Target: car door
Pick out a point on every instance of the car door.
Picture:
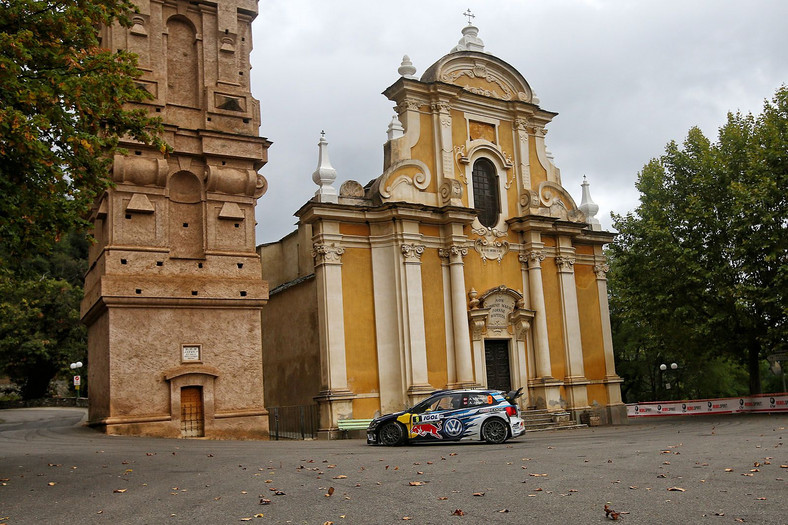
(426, 424)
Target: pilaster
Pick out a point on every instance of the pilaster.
(462, 341)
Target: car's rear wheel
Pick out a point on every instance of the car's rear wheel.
(494, 430)
(391, 433)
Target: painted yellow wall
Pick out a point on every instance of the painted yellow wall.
(434, 320)
(555, 327)
(597, 393)
(354, 228)
(360, 346)
(538, 173)
(430, 230)
(590, 321)
(366, 408)
(424, 150)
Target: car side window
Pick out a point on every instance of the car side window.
(475, 400)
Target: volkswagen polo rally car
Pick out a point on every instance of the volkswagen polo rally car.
(452, 415)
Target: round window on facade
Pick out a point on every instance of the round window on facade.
(485, 192)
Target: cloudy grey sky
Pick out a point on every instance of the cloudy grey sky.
(625, 76)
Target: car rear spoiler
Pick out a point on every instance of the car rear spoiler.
(512, 395)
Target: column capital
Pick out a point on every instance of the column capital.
(601, 271)
(411, 253)
(565, 264)
(327, 253)
(454, 253)
(533, 258)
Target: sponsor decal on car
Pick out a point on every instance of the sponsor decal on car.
(428, 429)
(452, 427)
(418, 418)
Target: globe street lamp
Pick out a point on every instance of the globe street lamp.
(77, 377)
(673, 366)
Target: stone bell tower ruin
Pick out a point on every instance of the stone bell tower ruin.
(173, 294)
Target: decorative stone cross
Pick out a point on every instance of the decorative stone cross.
(469, 15)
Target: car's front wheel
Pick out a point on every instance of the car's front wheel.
(494, 430)
(391, 433)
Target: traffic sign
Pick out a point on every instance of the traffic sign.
(77, 380)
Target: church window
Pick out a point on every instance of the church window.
(485, 192)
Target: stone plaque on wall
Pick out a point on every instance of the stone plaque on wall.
(191, 353)
(500, 305)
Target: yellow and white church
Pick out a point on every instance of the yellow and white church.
(464, 263)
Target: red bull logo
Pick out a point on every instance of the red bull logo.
(428, 429)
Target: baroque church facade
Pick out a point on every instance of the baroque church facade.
(174, 290)
(465, 263)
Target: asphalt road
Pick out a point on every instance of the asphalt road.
(722, 469)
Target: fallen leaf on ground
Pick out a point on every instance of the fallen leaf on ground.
(677, 489)
(330, 492)
(51, 483)
(406, 518)
(341, 476)
(478, 493)
(415, 483)
(264, 501)
(503, 511)
(458, 512)
(119, 491)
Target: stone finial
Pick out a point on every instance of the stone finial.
(325, 174)
(589, 207)
(473, 303)
(470, 40)
(395, 130)
(407, 69)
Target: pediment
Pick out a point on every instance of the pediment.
(481, 74)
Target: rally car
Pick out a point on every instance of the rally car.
(452, 415)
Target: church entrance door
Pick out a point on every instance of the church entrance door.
(496, 352)
(192, 413)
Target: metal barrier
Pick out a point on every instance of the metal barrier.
(293, 422)
(761, 403)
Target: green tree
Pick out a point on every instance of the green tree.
(64, 101)
(40, 330)
(699, 269)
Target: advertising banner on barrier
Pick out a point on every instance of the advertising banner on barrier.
(728, 405)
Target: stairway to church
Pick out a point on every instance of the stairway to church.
(540, 420)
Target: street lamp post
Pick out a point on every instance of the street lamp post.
(77, 377)
(674, 367)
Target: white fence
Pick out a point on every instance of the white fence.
(699, 407)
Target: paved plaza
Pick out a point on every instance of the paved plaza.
(710, 469)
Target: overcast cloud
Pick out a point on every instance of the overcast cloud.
(625, 77)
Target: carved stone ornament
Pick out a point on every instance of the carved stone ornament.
(389, 181)
(491, 250)
(480, 70)
(473, 303)
(351, 189)
(327, 253)
(555, 201)
(565, 264)
(410, 104)
(601, 271)
(441, 107)
(450, 189)
(453, 252)
(533, 258)
(412, 252)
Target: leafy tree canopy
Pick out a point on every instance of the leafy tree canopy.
(62, 110)
(700, 269)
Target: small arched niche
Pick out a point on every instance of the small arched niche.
(183, 79)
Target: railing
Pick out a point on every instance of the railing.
(293, 422)
(761, 403)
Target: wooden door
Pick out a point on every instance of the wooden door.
(192, 414)
(496, 353)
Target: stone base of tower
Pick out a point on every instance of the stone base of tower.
(191, 369)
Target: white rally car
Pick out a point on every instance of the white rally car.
(452, 415)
